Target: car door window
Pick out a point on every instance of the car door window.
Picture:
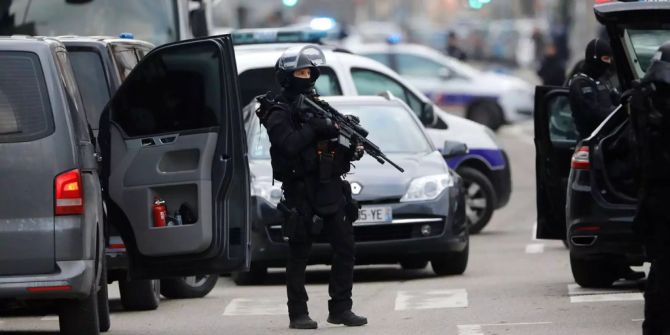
(413, 65)
(562, 130)
(369, 82)
(182, 97)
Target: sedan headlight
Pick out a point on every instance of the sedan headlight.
(263, 188)
(427, 188)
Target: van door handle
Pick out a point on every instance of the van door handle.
(168, 139)
(148, 142)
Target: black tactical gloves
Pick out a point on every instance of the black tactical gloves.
(324, 128)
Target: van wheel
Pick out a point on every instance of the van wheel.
(79, 317)
(140, 295)
(188, 287)
(103, 302)
(414, 264)
(480, 198)
(593, 273)
(451, 263)
(487, 113)
(255, 275)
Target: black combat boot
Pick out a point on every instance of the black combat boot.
(302, 322)
(347, 318)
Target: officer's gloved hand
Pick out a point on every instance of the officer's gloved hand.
(353, 118)
(324, 128)
(358, 151)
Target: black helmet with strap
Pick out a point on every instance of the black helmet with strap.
(298, 58)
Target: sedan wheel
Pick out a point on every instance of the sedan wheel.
(479, 199)
(188, 287)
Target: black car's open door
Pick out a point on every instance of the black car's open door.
(555, 141)
(173, 132)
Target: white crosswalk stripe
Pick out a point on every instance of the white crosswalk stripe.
(431, 299)
(535, 248)
(50, 318)
(579, 294)
(256, 306)
(479, 329)
(470, 330)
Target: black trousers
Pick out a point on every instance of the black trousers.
(341, 237)
(657, 296)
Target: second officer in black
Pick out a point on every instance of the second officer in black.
(310, 161)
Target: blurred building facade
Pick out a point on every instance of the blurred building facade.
(502, 29)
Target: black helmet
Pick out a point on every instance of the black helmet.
(658, 72)
(658, 77)
(298, 58)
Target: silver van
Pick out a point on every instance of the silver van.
(173, 131)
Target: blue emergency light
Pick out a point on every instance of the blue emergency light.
(264, 36)
(394, 39)
(128, 36)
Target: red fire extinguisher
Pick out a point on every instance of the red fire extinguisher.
(159, 210)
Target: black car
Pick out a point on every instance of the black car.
(596, 215)
(409, 218)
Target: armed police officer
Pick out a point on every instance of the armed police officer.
(649, 109)
(592, 96)
(309, 159)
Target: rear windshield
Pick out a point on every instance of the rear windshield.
(25, 112)
(90, 75)
(259, 81)
(645, 44)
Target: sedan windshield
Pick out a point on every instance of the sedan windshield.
(150, 20)
(391, 127)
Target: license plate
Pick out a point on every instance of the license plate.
(375, 215)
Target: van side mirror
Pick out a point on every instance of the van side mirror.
(454, 149)
(198, 21)
(427, 116)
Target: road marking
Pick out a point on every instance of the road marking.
(535, 248)
(50, 318)
(479, 329)
(256, 306)
(470, 330)
(431, 299)
(581, 295)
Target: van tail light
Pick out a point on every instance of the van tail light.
(69, 194)
(580, 159)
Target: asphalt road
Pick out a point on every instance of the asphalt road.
(513, 285)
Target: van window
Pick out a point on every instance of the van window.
(369, 82)
(255, 82)
(126, 58)
(92, 81)
(173, 91)
(25, 111)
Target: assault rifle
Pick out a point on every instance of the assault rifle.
(350, 128)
